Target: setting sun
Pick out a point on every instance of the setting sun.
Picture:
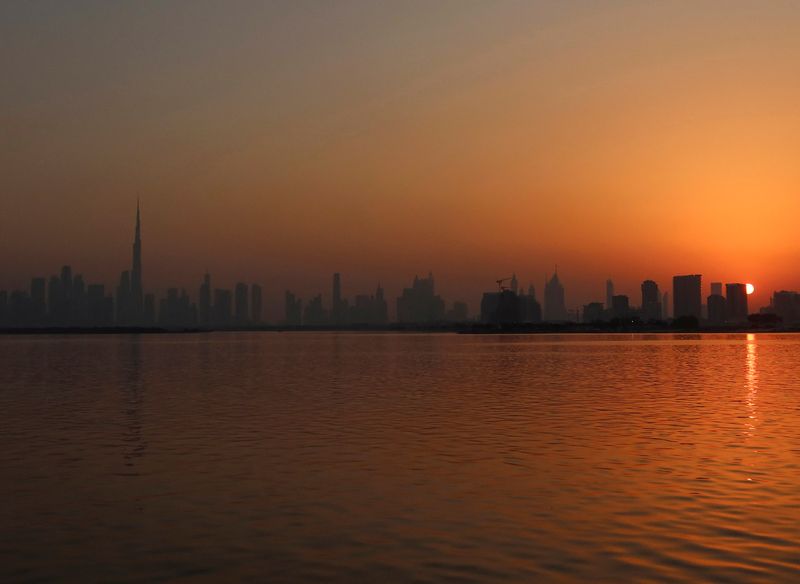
(750, 289)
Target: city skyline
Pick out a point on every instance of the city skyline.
(68, 299)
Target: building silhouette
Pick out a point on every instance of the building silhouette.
(609, 293)
(620, 306)
(736, 311)
(293, 309)
(314, 313)
(651, 301)
(555, 308)
(715, 305)
(686, 294)
(594, 312)
(338, 305)
(420, 304)
(786, 305)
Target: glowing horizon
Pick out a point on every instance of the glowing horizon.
(279, 144)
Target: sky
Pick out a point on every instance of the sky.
(278, 142)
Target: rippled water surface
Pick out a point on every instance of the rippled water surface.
(367, 458)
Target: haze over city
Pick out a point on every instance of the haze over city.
(280, 143)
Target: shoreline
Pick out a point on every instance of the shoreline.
(463, 328)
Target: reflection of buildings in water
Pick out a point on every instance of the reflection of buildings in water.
(751, 382)
(134, 444)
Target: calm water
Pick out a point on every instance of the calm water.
(368, 458)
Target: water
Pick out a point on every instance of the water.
(367, 458)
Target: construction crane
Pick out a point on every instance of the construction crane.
(500, 283)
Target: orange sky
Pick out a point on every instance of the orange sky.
(281, 143)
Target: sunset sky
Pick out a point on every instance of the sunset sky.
(280, 142)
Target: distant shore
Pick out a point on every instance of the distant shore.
(460, 328)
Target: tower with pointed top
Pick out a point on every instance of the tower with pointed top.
(137, 293)
(554, 305)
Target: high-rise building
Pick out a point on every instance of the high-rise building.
(715, 305)
(593, 312)
(555, 308)
(314, 313)
(242, 308)
(420, 304)
(609, 293)
(530, 309)
(686, 296)
(651, 301)
(293, 309)
(736, 303)
(256, 304)
(136, 300)
(620, 306)
(716, 288)
(786, 305)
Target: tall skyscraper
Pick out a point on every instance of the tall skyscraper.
(555, 308)
(137, 293)
(686, 296)
(716, 288)
(609, 294)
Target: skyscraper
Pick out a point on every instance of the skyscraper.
(609, 293)
(554, 306)
(137, 294)
(686, 296)
(736, 303)
(651, 301)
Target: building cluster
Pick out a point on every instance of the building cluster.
(366, 309)
(66, 300)
(418, 304)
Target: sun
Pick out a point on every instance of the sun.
(750, 288)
